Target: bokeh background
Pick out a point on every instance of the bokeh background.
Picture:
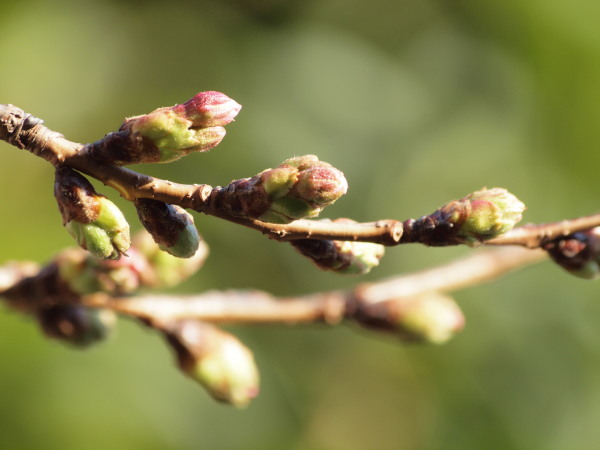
(418, 103)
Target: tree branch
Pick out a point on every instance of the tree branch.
(27, 132)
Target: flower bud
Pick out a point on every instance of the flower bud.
(171, 227)
(76, 324)
(480, 216)
(298, 188)
(215, 359)
(578, 253)
(346, 257)
(95, 222)
(209, 109)
(166, 270)
(429, 317)
(320, 185)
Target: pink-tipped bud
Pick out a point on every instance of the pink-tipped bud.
(209, 109)
(321, 185)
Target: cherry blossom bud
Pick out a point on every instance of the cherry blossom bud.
(215, 359)
(429, 317)
(209, 109)
(95, 222)
(480, 216)
(300, 188)
(169, 133)
(171, 227)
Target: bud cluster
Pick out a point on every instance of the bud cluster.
(345, 257)
(95, 222)
(144, 266)
(298, 188)
(216, 359)
(167, 134)
(578, 253)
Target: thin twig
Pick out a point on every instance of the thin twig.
(328, 307)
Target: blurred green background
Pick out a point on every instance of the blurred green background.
(418, 103)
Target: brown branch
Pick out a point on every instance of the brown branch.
(327, 307)
(26, 132)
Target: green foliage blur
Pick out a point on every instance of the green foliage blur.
(418, 102)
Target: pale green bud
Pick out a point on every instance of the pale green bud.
(217, 360)
(95, 222)
(171, 227)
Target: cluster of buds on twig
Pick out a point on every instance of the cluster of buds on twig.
(578, 253)
(298, 188)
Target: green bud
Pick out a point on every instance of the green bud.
(298, 188)
(95, 222)
(171, 227)
(483, 215)
(429, 317)
(362, 256)
(77, 325)
(215, 359)
(173, 135)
